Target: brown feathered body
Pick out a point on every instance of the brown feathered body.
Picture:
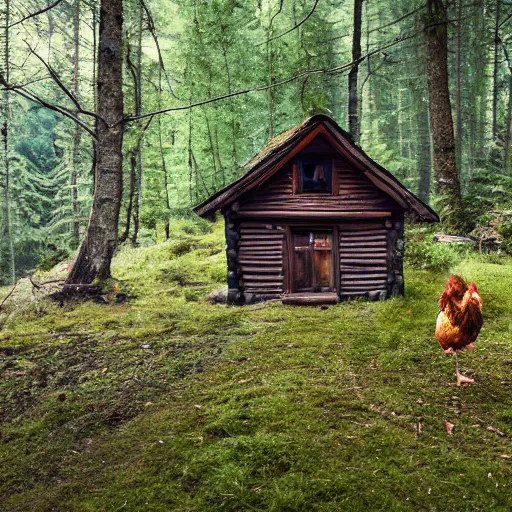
(460, 319)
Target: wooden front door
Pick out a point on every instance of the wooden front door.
(312, 261)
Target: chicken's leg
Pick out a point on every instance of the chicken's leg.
(461, 379)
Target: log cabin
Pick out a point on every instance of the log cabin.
(313, 220)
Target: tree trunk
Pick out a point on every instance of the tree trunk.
(445, 169)
(162, 156)
(138, 150)
(234, 155)
(507, 164)
(94, 8)
(495, 72)
(131, 194)
(423, 150)
(98, 248)
(5, 143)
(270, 92)
(190, 167)
(217, 152)
(354, 125)
(508, 141)
(458, 107)
(75, 162)
(212, 149)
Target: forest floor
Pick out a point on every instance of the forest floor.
(165, 402)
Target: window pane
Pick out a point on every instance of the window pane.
(316, 176)
(322, 240)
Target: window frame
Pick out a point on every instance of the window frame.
(298, 188)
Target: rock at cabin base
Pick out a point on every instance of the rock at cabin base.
(219, 296)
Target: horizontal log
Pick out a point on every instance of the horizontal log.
(254, 251)
(362, 243)
(345, 206)
(354, 253)
(263, 269)
(359, 293)
(363, 284)
(313, 198)
(369, 287)
(255, 254)
(259, 285)
(277, 251)
(365, 262)
(281, 191)
(260, 225)
(359, 229)
(255, 243)
(270, 260)
(266, 294)
(254, 288)
(315, 215)
(363, 269)
(330, 201)
(372, 254)
(453, 239)
(261, 277)
(346, 276)
(261, 236)
(363, 247)
(344, 177)
(261, 231)
(369, 238)
(285, 182)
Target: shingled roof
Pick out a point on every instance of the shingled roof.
(280, 149)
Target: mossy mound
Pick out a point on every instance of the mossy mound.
(166, 402)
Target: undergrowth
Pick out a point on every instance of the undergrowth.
(168, 403)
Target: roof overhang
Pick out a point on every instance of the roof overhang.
(276, 155)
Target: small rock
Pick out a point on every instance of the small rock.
(218, 296)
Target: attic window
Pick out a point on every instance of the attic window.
(314, 176)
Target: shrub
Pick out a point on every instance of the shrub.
(54, 258)
(505, 230)
(180, 247)
(428, 255)
(179, 274)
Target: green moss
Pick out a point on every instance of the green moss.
(166, 402)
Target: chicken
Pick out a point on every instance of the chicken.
(459, 321)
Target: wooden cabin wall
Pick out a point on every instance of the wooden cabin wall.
(352, 191)
(370, 258)
(363, 250)
(261, 267)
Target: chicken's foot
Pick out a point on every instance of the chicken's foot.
(461, 379)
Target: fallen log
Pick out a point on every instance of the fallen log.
(440, 237)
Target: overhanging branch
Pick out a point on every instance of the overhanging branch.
(302, 74)
(301, 22)
(36, 99)
(37, 13)
(397, 20)
(61, 85)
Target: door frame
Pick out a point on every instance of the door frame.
(289, 256)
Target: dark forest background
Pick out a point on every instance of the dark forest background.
(367, 60)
